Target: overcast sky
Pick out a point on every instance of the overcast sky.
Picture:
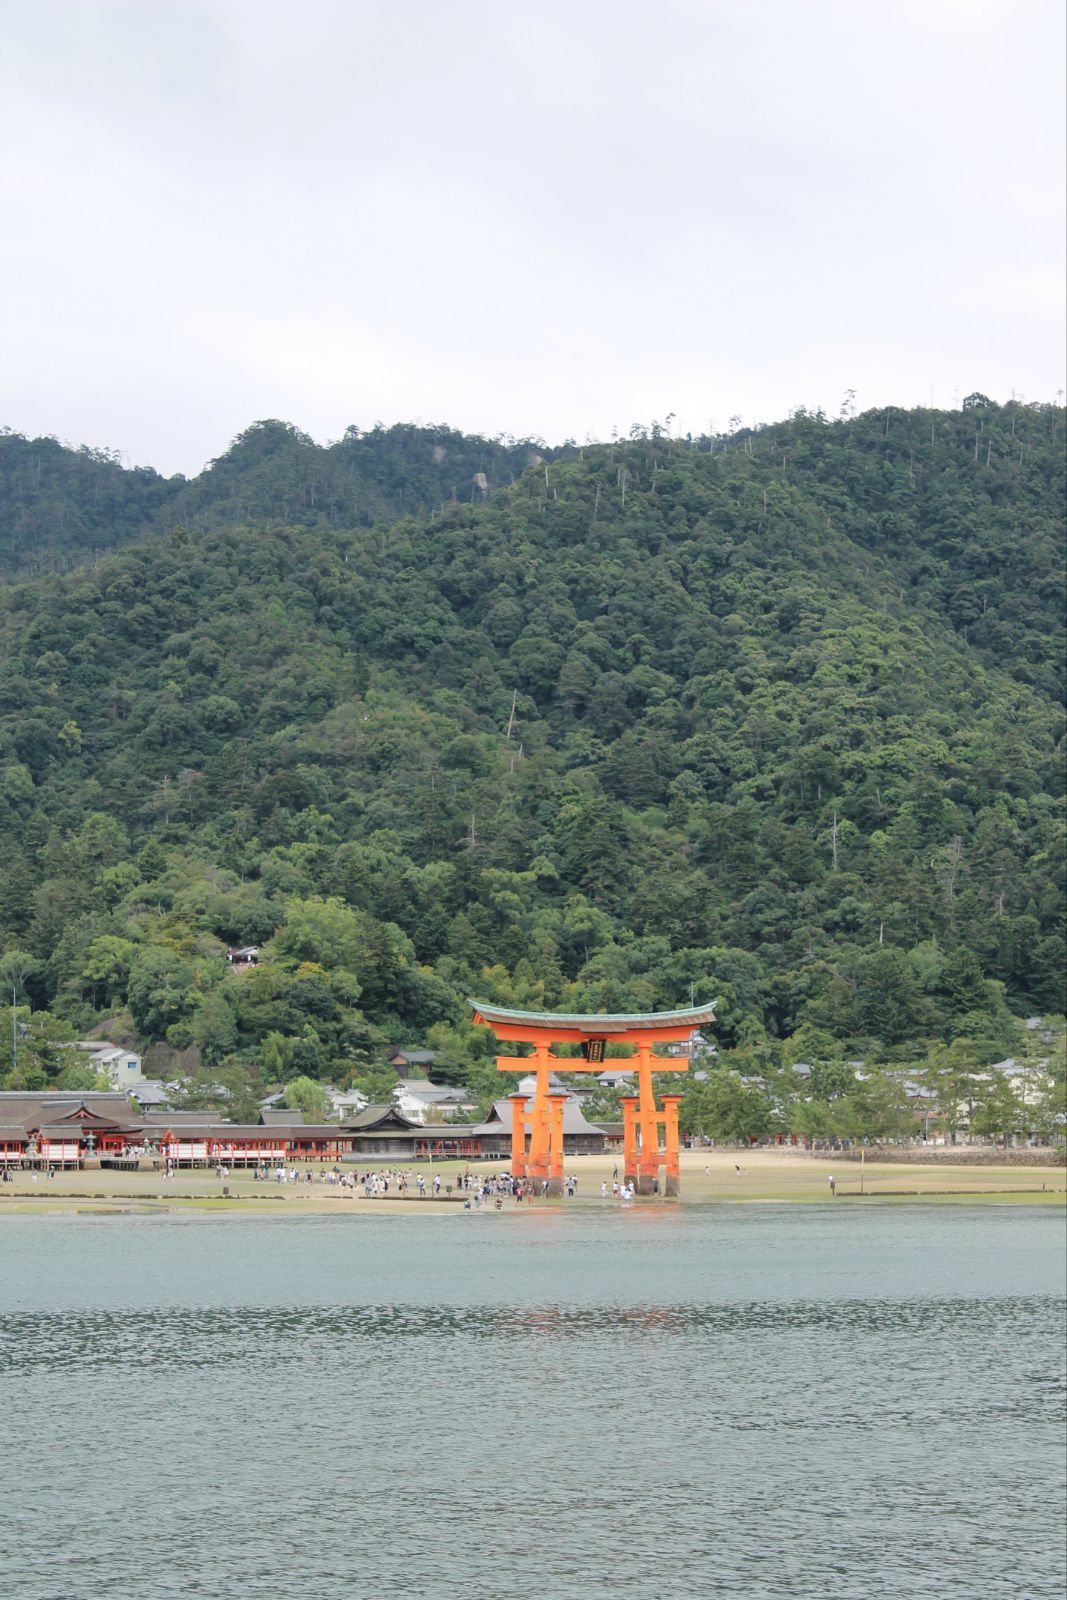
(549, 219)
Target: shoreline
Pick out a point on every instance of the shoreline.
(713, 1177)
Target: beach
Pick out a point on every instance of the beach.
(717, 1176)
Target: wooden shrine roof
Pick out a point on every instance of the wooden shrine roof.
(499, 1120)
(380, 1118)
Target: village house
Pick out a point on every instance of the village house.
(697, 1045)
(345, 1103)
(243, 957)
(404, 1062)
(120, 1066)
(423, 1101)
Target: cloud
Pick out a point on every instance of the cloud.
(543, 219)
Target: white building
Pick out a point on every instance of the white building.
(346, 1103)
(122, 1067)
(423, 1101)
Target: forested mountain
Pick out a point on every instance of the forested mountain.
(775, 716)
(59, 507)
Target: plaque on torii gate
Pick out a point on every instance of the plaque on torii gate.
(542, 1160)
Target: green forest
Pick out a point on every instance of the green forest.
(774, 717)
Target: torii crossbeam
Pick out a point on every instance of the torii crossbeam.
(543, 1161)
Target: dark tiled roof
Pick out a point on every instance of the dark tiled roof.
(372, 1117)
(31, 1110)
(499, 1120)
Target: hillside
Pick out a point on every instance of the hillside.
(775, 717)
(60, 507)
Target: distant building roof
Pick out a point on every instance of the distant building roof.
(500, 1117)
(21, 1108)
(372, 1118)
(433, 1093)
(151, 1092)
(417, 1058)
(172, 1119)
(279, 1117)
(35, 1111)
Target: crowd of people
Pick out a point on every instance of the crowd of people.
(379, 1182)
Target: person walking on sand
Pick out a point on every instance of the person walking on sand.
(832, 1181)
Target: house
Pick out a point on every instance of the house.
(528, 1085)
(121, 1067)
(422, 1101)
(404, 1061)
(615, 1078)
(697, 1044)
(243, 957)
(345, 1103)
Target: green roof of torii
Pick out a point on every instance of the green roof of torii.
(596, 1022)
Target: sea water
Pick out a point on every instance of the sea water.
(826, 1402)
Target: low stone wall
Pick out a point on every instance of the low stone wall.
(960, 1155)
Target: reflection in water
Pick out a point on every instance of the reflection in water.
(585, 1411)
(84, 1340)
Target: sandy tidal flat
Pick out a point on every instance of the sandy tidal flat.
(723, 1176)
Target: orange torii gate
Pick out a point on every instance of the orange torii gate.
(642, 1120)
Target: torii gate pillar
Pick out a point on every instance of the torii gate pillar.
(556, 1102)
(672, 1183)
(648, 1125)
(628, 1102)
(518, 1135)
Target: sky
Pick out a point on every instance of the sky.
(549, 220)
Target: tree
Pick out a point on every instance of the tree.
(44, 1055)
(304, 1094)
(887, 1004)
(726, 1107)
(107, 968)
(953, 1074)
(999, 1113)
(16, 966)
(161, 990)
